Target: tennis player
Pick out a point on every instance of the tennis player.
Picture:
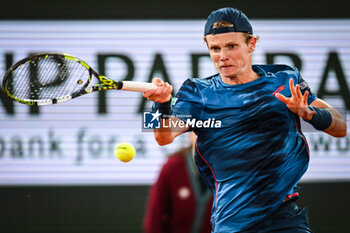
(254, 160)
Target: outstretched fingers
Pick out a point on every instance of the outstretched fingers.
(292, 88)
(282, 98)
(297, 103)
(298, 92)
(306, 95)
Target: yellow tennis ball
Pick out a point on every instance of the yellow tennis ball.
(124, 152)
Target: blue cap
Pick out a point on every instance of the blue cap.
(239, 20)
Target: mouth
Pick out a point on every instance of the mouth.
(226, 66)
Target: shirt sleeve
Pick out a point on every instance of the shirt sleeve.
(188, 102)
(304, 86)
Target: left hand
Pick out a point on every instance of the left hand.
(297, 103)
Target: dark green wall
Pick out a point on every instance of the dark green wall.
(104, 209)
(179, 9)
(97, 209)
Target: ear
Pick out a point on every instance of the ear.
(252, 44)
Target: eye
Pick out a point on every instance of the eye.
(232, 46)
(215, 49)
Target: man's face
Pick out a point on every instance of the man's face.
(230, 53)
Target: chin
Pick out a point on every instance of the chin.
(228, 71)
(228, 74)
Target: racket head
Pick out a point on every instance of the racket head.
(47, 78)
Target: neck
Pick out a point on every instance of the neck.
(241, 78)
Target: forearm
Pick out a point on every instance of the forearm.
(338, 127)
(168, 131)
(170, 126)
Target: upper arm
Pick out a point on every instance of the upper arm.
(189, 102)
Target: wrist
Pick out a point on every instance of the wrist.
(168, 100)
(164, 108)
(322, 118)
(309, 114)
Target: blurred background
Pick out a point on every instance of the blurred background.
(58, 172)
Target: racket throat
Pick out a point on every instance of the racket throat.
(107, 83)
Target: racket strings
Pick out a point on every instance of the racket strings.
(62, 74)
(21, 86)
(39, 79)
(79, 74)
(47, 78)
(54, 74)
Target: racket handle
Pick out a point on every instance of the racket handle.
(137, 86)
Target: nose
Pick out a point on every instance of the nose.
(223, 55)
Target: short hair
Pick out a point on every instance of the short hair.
(224, 24)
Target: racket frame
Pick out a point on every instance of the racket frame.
(106, 83)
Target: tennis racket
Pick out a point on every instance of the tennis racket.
(51, 78)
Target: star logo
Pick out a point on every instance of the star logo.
(151, 120)
(155, 115)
